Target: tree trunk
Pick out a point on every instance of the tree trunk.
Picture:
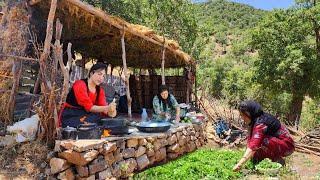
(295, 109)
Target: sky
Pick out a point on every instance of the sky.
(263, 4)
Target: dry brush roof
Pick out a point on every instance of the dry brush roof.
(96, 34)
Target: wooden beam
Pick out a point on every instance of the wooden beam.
(163, 78)
(125, 70)
(91, 39)
(18, 57)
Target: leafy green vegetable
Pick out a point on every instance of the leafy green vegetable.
(268, 164)
(186, 120)
(202, 164)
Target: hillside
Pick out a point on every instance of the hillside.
(225, 22)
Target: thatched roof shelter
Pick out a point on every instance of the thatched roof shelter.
(96, 34)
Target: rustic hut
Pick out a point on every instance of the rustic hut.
(95, 35)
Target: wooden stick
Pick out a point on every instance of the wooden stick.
(125, 70)
(162, 64)
(17, 70)
(65, 70)
(309, 147)
(46, 49)
(18, 57)
(305, 150)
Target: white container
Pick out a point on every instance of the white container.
(144, 115)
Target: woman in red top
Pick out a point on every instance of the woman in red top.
(267, 138)
(86, 101)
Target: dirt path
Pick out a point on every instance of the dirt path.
(307, 166)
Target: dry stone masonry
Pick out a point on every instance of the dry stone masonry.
(119, 157)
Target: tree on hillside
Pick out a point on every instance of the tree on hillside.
(287, 57)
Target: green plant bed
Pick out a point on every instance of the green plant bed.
(202, 164)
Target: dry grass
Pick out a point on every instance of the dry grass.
(4, 98)
(24, 159)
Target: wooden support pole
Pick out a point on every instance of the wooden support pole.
(163, 79)
(125, 70)
(46, 49)
(16, 70)
(65, 70)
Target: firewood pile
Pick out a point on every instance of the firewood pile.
(310, 142)
(231, 136)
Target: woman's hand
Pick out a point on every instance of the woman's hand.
(112, 109)
(237, 167)
(177, 118)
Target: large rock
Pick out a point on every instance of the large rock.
(157, 145)
(97, 165)
(66, 175)
(174, 148)
(163, 142)
(151, 139)
(172, 139)
(150, 152)
(172, 155)
(109, 147)
(92, 177)
(161, 154)
(80, 159)
(142, 162)
(152, 159)
(128, 166)
(132, 142)
(178, 134)
(116, 171)
(121, 144)
(198, 144)
(82, 145)
(110, 159)
(182, 141)
(143, 142)
(117, 155)
(83, 171)
(57, 165)
(128, 153)
(140, 151)
(106, 174)
(197, 134)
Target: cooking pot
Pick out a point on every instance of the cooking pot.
(153, 126)
(116, 126)
(69, 133)
(89, 131)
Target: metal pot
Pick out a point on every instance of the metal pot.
(153, 126)
(115, 126)
(69, 133)
(89, 131)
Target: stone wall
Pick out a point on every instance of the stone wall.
(119, 157)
